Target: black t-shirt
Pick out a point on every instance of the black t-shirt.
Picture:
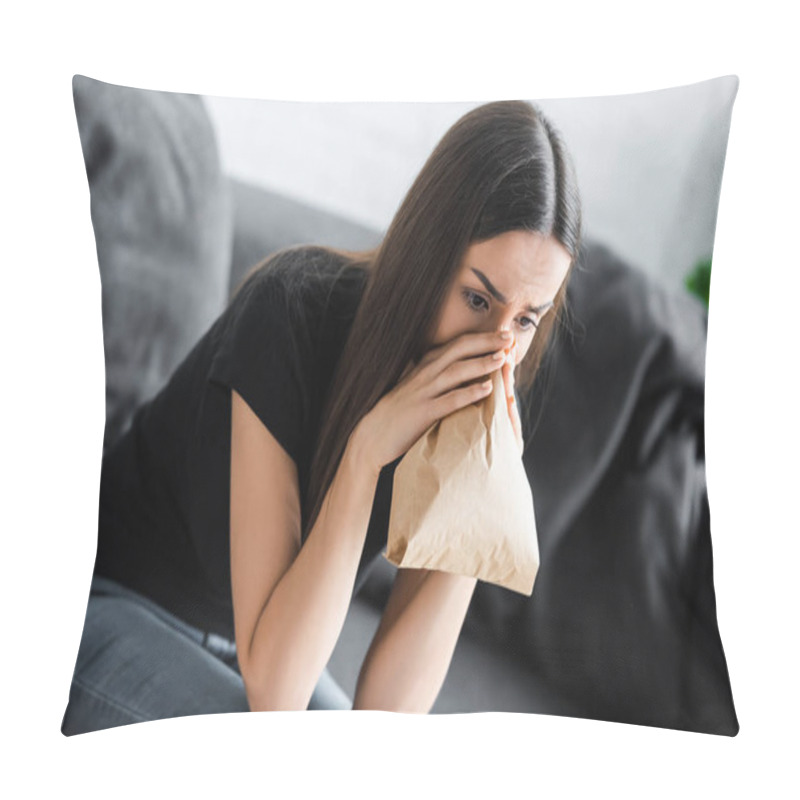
(164, 523)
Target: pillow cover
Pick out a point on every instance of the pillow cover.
(622, 622)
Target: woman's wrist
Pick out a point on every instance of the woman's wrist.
(359, 452)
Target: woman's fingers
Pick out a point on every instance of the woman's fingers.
(430, 390)
(465, 359)
(513, 411)
(467, 345)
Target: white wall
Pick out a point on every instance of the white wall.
(649, 165)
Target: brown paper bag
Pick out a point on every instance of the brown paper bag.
(461, 500)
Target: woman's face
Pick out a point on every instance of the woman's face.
(508, 282)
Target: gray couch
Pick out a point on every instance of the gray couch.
(622, 622)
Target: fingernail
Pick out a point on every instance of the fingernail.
(506, 335)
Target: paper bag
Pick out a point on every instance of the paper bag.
(461, 500)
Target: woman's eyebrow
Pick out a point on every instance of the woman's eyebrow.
(502, 298)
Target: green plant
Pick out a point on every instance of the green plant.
(698, 281)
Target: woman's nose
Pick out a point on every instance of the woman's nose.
(510, 346)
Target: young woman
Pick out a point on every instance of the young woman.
(241, 510)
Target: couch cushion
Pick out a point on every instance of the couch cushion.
(265, 222)
(161, 213)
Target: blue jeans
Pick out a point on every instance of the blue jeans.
(138, 662)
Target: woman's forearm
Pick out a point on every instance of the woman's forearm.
(411, 652)
(298, 629)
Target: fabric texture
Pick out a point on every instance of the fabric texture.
(137, 662)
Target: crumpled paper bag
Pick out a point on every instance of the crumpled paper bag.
(461, 500)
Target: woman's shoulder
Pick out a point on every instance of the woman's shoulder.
(311, 284)
(306, 291)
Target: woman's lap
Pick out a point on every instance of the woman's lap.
(134, 666)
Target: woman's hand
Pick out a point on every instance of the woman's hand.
(445, 380)
(513, 412)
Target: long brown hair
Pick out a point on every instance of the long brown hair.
(500, 167)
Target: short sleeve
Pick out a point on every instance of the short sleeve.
(258, 355)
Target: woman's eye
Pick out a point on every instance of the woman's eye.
(471, 297)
